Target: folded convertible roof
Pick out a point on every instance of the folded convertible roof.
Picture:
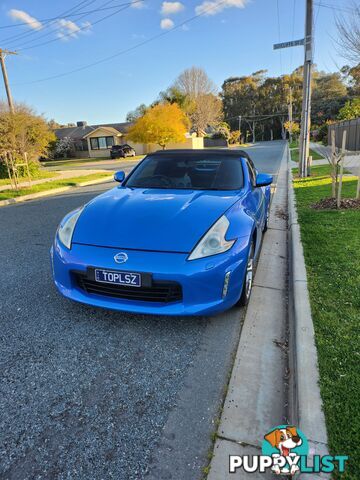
(196, 152)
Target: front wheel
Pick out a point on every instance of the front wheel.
(248, 280)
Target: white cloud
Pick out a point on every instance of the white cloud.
(213, 7)
(68, 29)
(166, 24)
(137, 4)
(26, 18)
(170, 8)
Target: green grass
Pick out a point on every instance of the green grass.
(77, 162)
(42, 187)
(294, 144)
(295, 155)
(72, 161)
(331, 243)
(39, 176)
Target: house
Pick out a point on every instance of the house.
(96, 140)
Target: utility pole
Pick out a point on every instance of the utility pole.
(3, 54)
(240, 128)
(290, 108)
(306, 103)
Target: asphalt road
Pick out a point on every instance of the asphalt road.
(93, 394)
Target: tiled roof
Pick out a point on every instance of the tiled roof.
(77, 133)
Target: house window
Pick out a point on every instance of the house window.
(101, 142)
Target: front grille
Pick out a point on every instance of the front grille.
(163, 292)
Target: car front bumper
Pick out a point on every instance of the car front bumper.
(202, 280)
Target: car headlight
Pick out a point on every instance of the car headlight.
(213, 242)
(67, 226)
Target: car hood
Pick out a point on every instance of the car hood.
(151, 219)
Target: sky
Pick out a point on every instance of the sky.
(151, 42)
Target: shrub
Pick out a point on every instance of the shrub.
(34, 168)
(234, 137)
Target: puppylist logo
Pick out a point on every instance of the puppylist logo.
(285, 451)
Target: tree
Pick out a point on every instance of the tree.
(240, 96)
(350, 110)
(137, 113)
(24, 132)
(23, 135)
(329, 95)
(162, 124)
(222, 131)
(61, 148)
(234, 137)
(194, 82)
(349, 34)
(53, 124)
(205, 111)
(173, 95)
(196, 95)
(352, 77)
(292, 127)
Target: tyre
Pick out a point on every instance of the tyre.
(248, 279)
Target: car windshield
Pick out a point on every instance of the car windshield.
(197, 172)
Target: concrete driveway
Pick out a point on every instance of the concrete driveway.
(93, 394)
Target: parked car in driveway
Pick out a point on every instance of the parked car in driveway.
(122, 151)
(178, 236)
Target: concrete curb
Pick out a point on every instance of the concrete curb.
(305, 401)
(256, 397)
(54, 191)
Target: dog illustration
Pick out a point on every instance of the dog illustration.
(284, 439)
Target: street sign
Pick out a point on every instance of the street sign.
(293, 43)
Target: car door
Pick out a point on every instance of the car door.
(256, 200)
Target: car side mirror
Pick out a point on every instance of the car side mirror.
(263, 179)
(119, 176)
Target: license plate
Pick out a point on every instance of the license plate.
(120, 278)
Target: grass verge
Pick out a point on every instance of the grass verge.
(77, 162)
(42, 187)
(331, 243)
(294, 144)
(39, 176)
(295, 155)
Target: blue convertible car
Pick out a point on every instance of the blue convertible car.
(178, 236)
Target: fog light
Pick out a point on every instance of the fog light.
(226, 284)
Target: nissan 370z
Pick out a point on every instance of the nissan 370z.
(178, 236)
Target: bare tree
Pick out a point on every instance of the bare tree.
(205, 111)
(194, 82)
(349, 34)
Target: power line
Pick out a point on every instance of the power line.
(86, 27)
(46, 24)
(259, 117)
(320, 4)
(127, 50)
(59, 30)
(71, 15)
